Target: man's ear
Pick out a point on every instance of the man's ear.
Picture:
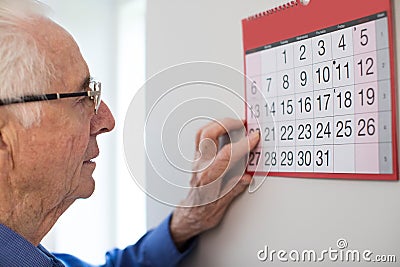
(4, 147)
(2, 143)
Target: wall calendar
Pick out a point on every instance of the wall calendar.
(321, 90)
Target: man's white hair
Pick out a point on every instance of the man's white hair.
(24, 69)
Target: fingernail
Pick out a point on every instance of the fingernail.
(254, 135)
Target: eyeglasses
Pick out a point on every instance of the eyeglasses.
(94, 93)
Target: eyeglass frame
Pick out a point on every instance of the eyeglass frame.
(94, 94)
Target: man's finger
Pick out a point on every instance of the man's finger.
(215, 129)
(230, 154)
(227, 157)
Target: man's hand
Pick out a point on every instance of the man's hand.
(209, 198)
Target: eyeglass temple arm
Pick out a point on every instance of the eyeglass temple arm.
(34, 98)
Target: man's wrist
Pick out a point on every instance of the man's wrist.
(181, 233)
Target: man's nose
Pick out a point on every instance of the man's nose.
(103, 121)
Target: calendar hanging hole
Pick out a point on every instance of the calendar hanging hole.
(305, 2)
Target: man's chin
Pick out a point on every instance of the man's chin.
(87, 187)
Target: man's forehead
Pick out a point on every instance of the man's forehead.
(62, 51)
(45, 30)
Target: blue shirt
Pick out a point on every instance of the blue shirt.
(155, 248)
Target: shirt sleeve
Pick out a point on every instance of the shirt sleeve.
(155, 248)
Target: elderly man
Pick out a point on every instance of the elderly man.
(50, 116)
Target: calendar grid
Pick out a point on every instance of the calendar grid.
(327, 106)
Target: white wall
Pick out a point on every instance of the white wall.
(285, 213)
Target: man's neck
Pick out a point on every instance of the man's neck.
(28, 216)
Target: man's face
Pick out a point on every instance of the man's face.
(53, 159)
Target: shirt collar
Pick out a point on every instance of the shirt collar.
(17, 251)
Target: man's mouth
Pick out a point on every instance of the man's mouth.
(90, 160)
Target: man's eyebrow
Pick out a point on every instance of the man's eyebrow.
(85, 83)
